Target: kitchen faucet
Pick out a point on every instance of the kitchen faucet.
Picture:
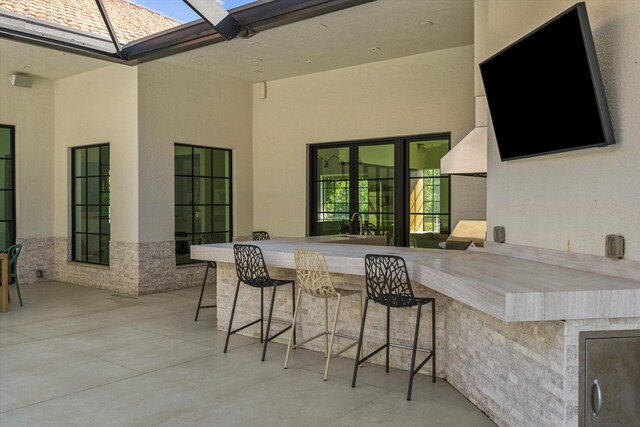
(359, 216)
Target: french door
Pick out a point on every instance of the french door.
(394, 184)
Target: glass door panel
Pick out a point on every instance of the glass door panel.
(376, 168)
(428, 194)
(333, 190)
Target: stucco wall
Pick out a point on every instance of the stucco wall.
(191, 107)
(31, 112)
(582, 195)
(419, 94)
(93, 108)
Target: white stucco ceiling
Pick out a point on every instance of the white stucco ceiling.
(371, 32)
(376, 31)
(41, 62)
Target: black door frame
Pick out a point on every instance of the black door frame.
(401, 180)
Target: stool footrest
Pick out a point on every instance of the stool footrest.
(244, 327)
(415, 371)
(278, 334)
(409, 347)
(364, 359)
(338, 353)
(406, 347)
(321, 334)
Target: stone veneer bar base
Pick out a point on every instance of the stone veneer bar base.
(518, 373)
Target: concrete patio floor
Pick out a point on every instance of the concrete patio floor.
(76, 356)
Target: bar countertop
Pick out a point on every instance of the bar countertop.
(509, 288)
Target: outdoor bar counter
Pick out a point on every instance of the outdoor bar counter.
(508, 317)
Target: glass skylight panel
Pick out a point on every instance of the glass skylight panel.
(177, 10)
(137, 19)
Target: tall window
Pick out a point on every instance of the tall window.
(395, 184)
(7, 187)
(91, 210)
(202, 197)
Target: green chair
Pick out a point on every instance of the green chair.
(13, 253)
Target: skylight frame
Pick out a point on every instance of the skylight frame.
(244, 21)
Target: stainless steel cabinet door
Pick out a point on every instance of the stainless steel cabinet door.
(612, 382)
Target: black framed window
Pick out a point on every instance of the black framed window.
(7, 187)
(203, 202)
(395, 183)
(91, 209)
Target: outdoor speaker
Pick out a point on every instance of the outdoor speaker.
(614, 246)
(20, 80)
(498, 234)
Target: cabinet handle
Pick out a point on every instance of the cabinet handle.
(596, 391)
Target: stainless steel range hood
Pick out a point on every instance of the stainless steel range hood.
(469, 156)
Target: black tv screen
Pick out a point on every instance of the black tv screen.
(545, 92)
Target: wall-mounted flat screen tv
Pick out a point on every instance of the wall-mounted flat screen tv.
(545, 92)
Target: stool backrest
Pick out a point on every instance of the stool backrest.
(260, 235)
(312, 274)
(250, 265)
(386, 278)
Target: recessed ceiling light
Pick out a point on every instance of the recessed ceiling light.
(26, 67)
(374, 49)
(258, 60)
(198, 57)
(309, 61)
(257, 72)
(428, 23)
(321, 26)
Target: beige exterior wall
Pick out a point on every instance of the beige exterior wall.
(93, 108)
(31, 111)
(421, 94)
(581, 195)
(177, 104)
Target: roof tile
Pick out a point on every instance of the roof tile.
(130, 21)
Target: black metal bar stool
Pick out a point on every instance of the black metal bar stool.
(208, 239)
(260, 235)
(251, 270)
(387, 282)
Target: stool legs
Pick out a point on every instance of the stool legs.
(262, 314)
(233, 311)
(333, 334)
(413, 370)
(358, 352)
(388, 337)
(293, 308)
(204, 282)
(266, 339)
(326, 328)
(433, 341)
(413, 353)
(293, 328)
